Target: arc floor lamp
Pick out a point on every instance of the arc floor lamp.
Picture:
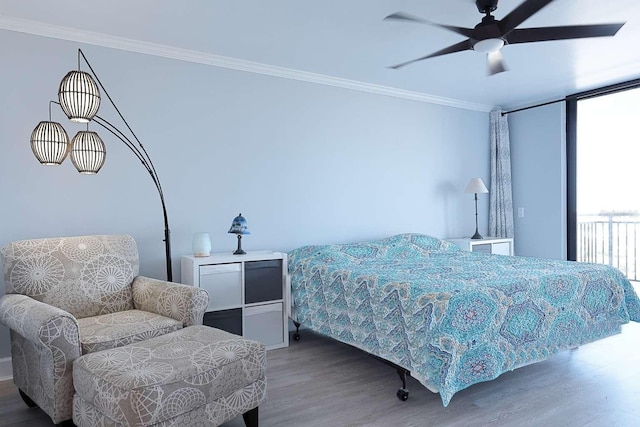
(79, 98)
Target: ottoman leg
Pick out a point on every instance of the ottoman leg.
(251, 417)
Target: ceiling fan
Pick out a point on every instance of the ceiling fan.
(491, 34)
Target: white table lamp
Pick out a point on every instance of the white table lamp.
(476, 186)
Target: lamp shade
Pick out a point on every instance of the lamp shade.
(79, 96)
(87, 152)
(50, 143)
(239, 225)
(476, 186)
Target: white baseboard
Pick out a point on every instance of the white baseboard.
(6, 370)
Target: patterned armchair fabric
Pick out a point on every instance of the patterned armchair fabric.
(45, 341)
(195, 377)
(126, 327)
(180, 302)
(85, 276)
(74, 295)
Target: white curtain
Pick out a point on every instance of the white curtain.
(500, 195)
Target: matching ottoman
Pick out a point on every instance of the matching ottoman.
(197, 376)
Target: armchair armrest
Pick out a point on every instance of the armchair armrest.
(45, 341)
(184, 303)
(41, 323)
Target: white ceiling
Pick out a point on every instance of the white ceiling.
(347, 42)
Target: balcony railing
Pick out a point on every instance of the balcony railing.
(611, 238)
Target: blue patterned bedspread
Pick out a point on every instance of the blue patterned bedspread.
(455, 318)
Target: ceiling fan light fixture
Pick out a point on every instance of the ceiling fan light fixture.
(488, 45)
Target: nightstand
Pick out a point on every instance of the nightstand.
(247, 293)
(490, 245)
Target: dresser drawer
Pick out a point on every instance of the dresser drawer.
(262, 281)
(224, 284)
(503, 248)
(483, 248)
(264, 323)
(227, 320)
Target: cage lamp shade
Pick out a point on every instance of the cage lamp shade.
(87, 152)
(476, 186)
(50, 143)
(79, 96)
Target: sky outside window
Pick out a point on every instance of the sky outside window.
(608, 153)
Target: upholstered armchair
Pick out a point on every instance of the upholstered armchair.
(66, 297)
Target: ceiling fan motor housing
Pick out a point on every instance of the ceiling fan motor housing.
(486, 6)
(489, 28)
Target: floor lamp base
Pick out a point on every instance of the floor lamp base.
(477, 236)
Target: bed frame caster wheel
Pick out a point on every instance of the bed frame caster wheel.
(402, 394)
(296, 334)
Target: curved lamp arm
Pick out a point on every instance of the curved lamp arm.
(142, 155)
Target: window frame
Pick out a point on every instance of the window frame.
(571, 105)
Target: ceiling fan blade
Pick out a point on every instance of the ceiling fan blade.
(495, 63)
(458, 47)
(526, 35)
(401, 16)
(521, 14)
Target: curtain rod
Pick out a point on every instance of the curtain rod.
(617, 87)
(504, 113)
(607, 90)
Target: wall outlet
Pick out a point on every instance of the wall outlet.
(520, 212)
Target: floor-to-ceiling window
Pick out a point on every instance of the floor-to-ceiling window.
(603, 150)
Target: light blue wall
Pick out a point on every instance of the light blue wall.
(304, 163)
(538, 162)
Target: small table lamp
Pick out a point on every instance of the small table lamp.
(476, 186)
(239, 227)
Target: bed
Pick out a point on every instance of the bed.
(454, 318)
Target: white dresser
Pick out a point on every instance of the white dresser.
(247, 293)
(491, 245)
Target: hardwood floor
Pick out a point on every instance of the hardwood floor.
(320, 382)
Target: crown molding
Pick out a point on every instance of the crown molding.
(104, 40)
